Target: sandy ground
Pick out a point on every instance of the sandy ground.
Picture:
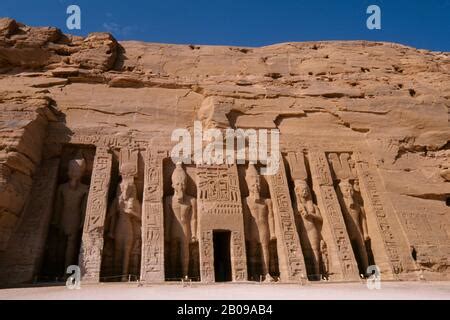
(324, 291)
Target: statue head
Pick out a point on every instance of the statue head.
(346, 189)
(302, 189)
(76, 168)
(127, 194)
(253, 180)
(179, 181)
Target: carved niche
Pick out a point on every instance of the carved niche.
(308, 218)
(180, 226)
(291, 261)
(343, 265)
(63, 240)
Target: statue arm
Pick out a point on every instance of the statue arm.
(271, 219)
(301, 209)
(318, 215)
(194, 219)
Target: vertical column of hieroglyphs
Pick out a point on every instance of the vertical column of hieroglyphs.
(331, 211)
(239, 257)
(220, 207)
(26, 247)
(206, 256)
(290, 256)
(205, 194)
(97, 204)
(152, 260)
(238, 254)
(387, 226)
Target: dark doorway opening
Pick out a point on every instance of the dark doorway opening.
(222, 255)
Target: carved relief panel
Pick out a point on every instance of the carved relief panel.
(290, 255)
(343, 265)
(220, 209)
(390, 249)
(308, 218)
(180, 223)
(97, 203)
(152, 266)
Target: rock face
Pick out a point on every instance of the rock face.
(364, 138)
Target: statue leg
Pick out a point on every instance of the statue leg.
(252, 253)
(362, 254)
(174, 253)
(126, 254)
(185, 257)
(71, 248)
(266, 260)
(316, 254)
(117, 257)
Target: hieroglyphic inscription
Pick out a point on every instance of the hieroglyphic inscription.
(327, 197)
(218, 196)
(332, 209)
(206, 257)
(152, 260)
(218, 190)
(373, 199)
(239, 262)
(58, 135)
(320, 170)
(97, 203)
(291, 261)
(218, 183)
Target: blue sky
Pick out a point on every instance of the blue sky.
(419, 23)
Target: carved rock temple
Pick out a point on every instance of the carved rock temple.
(86, 176)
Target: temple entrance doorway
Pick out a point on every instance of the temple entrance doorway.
(222, 255)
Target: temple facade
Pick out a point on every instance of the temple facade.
(122, 210)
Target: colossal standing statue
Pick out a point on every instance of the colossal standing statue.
(258, 220)
(70, 209)
(125, 225)
(312, 220)
(180, 221)
(356, 223)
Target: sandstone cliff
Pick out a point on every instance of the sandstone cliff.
(394, 98)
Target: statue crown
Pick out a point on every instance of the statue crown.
(179, 174)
